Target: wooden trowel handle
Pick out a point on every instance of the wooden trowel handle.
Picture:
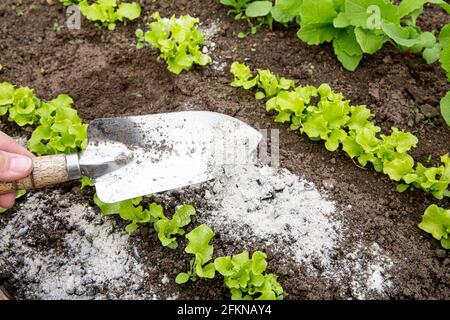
(47, 171)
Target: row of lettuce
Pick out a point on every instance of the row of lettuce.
(355, 28)
(59, 129)
(323, 114)
(245, 276)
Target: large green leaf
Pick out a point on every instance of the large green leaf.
(258, 9)
(445, 108)
(286, 10)
(349, 62)
(399, 35)
(445, 59)
(314, 34)
(317, 12)
(407, 7)
(369, 41)
(436, 221)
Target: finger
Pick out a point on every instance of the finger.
(8, 144)
(7, 200)
(14, 166)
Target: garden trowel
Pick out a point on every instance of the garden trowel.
(140, 155)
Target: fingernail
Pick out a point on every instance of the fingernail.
(20, 164)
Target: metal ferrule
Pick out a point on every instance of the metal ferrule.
(73, 166)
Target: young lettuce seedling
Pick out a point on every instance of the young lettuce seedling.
(199, 246)
(132, 211)
(243, 276)
(246, 279)
(436, 221)
(59, 130)
(106, 13)
(177, 39)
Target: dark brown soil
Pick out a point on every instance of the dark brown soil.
(107, 76)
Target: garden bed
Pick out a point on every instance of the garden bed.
(330, 229)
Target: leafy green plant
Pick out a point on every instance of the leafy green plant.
(59, 130)
(243, 276)
(21, 104)
(355, 27)
(341, 125)
(199, 246)
(441, 52)
(445, 108)
(238, 6)
(106, 13)
(177, 39)
(264, 12)
(246, 279)
(168, 228)
(132, 211)
(250, 11)
(441, 49)
(434, 179)
(86, 182)
(436, 221)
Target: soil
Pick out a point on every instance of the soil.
(107, 76)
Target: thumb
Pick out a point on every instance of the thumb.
(14, 166)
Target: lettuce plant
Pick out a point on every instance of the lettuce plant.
(436, 221)
(341, 125)
(106, 13)
(441, 52)
(177, 39)
(20, 104)
(355, 27)
(243, 276)
(246, 279)
(59, 129)
(264, 12)
(199, 246)
(445, 108)
(168, 228)
(133, 212)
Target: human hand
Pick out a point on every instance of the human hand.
(15, 163)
